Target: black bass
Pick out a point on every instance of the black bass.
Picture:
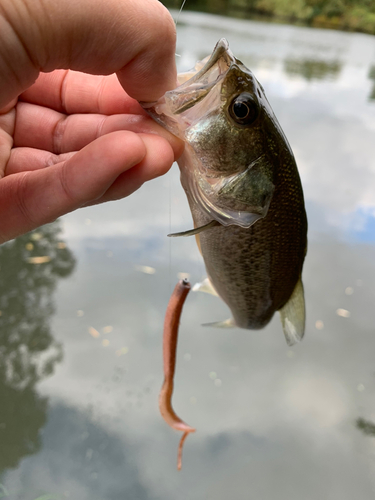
(243, 188)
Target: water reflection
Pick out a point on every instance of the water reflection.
(371, 76)
(99, 465)
(366, 426)
(312, 69)
(30, 267)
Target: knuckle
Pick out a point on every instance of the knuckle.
(21, 198)
(65, 185)
(58, 134)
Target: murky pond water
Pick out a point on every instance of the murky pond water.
(81, 329)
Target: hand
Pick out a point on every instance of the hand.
(72, 139)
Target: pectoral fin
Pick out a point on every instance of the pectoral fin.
(196, 230)
(293, 315)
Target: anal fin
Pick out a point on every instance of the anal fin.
(228, 323)
(205, 286)
(293, 315)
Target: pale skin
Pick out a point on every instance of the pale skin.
(71, 130)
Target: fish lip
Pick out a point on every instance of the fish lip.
(221, 48)
(198, 90)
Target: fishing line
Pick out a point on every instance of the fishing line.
(176, 20)
(179, 12)
(170, 185)
(170, 229)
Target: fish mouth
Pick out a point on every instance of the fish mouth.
(195, 86)
(238, 196)
(221, 50)
(202, 82)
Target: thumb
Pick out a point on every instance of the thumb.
(133, 38)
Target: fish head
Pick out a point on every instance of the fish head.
(221, 113)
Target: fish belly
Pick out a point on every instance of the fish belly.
(254, 270)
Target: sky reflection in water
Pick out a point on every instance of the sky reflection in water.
(272, 422)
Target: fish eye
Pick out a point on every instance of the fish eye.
(244, 109)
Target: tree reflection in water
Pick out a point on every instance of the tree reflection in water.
(365, 426)
(311, 69)
(371, 76)
(30, 267)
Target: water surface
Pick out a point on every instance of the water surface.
(80, 355)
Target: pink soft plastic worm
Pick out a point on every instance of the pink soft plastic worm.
(170, 336)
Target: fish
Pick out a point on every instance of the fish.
(244, 191)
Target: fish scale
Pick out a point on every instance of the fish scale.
(255, 270)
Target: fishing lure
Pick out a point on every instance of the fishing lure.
(170, 337)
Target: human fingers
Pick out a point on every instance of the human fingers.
(134, 39)
(27, 159)
(156, 162)
(75, 92)
(33, 198)
(45, 129)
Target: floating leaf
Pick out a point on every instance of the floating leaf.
(93, 332)
(39, 260)
(146, 269)
(123, 350)
(36, 236)
(343, 313)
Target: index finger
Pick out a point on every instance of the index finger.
(71, 92)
